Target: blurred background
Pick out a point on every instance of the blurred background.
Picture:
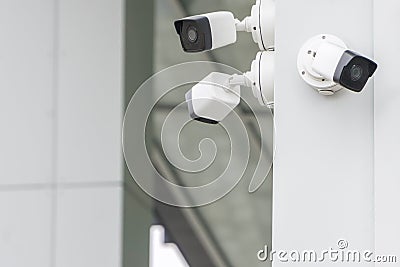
(68, 69)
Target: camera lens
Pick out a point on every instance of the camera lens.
(195, 34)
(356, 72)
(353, 71)
(192, 34)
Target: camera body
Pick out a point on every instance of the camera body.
(326, 64)
(343, 66)
(213, 98)
(217, 29)
(206, 32)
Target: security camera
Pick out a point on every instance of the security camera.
(206, 32)
(213, 98)
(326, 64)
(343, 66)
(217, 29)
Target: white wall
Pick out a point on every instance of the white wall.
(89, 112)
(26, 138)
(323, 170)
(61, 111)
(89, 90)
(26, 91)
(387, 127)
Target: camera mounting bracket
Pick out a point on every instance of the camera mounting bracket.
(304, 61)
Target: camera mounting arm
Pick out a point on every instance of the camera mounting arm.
(245, 25)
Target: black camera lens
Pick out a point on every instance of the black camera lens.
(192, 34)
(356, 73)
(353, 71)
(195, 33)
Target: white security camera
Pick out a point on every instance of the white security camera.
(206, 32)
(217, 29)
(213, 98)
(326, 64)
